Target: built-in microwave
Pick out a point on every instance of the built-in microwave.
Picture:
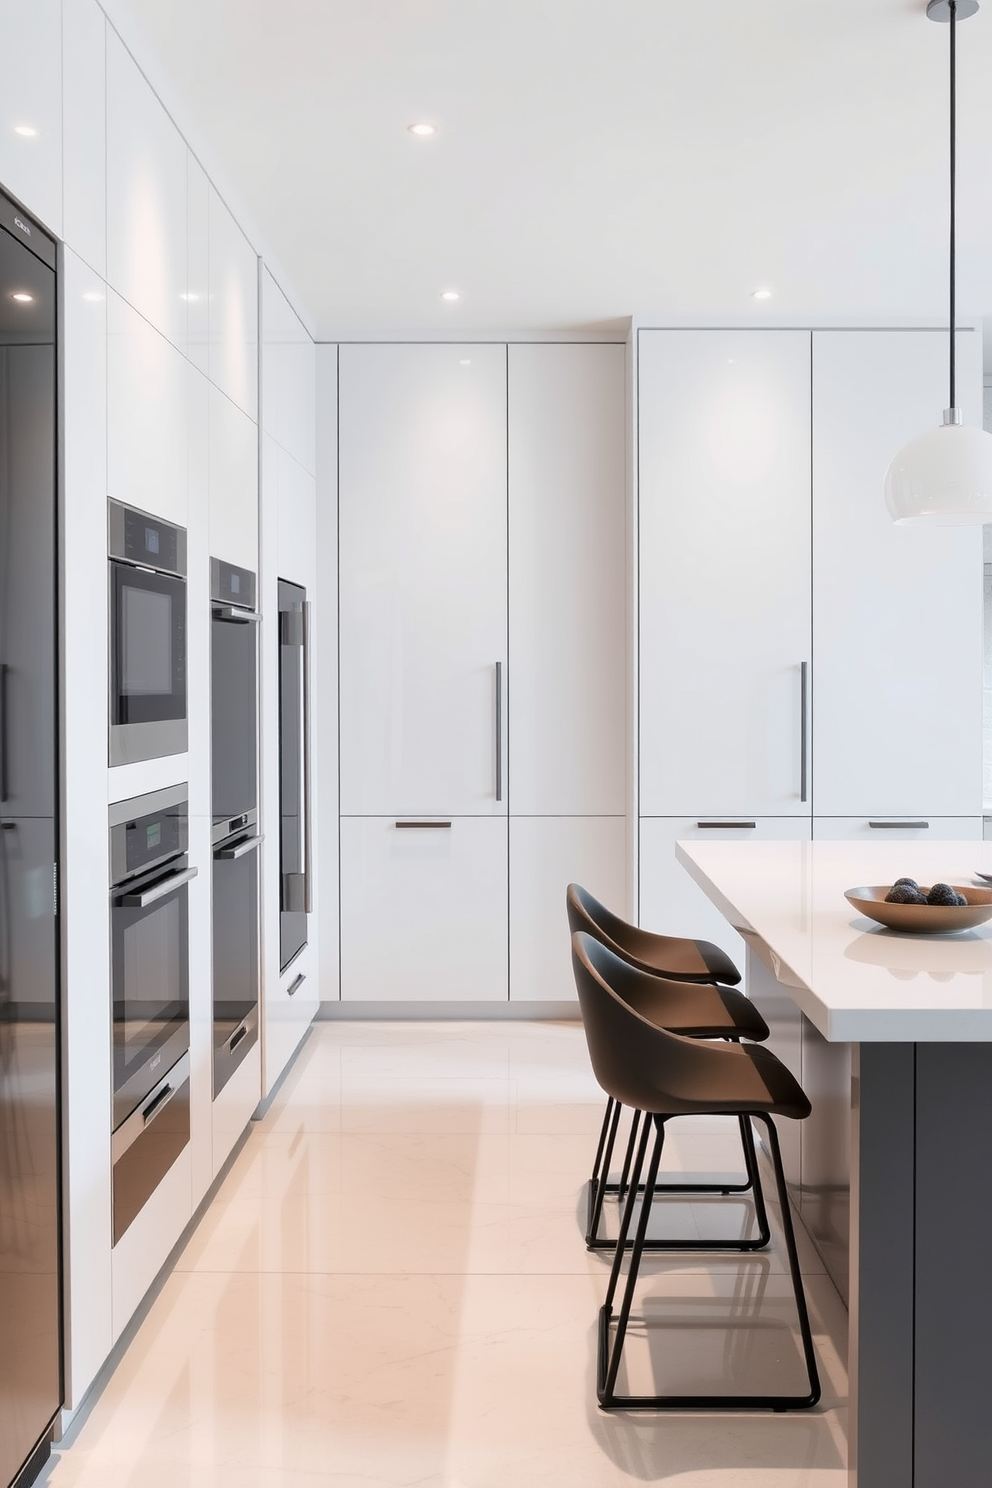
(147, 636)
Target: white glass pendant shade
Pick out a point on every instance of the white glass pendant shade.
(942, 478)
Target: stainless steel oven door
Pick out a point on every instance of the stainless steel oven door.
(150, 941)
(148, 663)
(235, 955)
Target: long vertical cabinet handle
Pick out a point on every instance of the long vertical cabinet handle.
(804, 730)
(307, 824)
(499, 731)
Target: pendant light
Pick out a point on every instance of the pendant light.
(944, 477)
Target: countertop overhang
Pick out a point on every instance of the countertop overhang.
(856, 981)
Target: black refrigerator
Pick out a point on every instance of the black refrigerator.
(30, 1298)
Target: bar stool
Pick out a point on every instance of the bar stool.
(667, 987)
(665, 1075)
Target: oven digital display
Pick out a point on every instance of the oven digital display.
(153, 835)
(151, 539)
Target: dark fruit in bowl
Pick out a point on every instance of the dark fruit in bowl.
(902, 893)
(905, 883)
(942, 893)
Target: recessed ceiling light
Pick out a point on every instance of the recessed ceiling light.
(26, 131)
(465, 362)
(23, 299)
(761, 294)
(451, 295)
(93, 296)
(189, 298)
(422, 131)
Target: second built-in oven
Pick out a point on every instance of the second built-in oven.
(147, 636)
(149, 927)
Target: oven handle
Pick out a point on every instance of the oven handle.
(159, 890)
(235, 615)
(158, 1105)
(229, 854)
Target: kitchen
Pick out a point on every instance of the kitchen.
(397, 866)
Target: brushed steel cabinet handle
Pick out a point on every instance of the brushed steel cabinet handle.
(499, 731)
(231, 854)
(422, 826)
(803, 729)
(159, 890)
(901, 825)
(158, 1105)
(292, 990)
(725, 826)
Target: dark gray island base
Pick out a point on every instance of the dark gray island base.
(892, 1175)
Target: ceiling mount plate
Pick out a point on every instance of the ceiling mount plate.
(940, 10)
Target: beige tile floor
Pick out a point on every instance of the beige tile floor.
(391, 1288)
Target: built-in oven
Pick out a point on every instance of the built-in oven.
(236, 839)
(147, 636)
(149, 921)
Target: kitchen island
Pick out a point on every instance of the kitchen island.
(891, 1036)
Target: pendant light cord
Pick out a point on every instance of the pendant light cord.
(953, 9)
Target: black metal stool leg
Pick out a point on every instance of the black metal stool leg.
(795, 1272)
(611, 1358)
(631, 1146)
(627, 1216)
(598, 1185)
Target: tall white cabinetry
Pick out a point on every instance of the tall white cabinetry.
(423, 672)
(481, 663)
(805, 666)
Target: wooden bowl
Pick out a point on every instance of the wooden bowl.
(923, 919)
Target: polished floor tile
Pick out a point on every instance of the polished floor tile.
(391, 1288)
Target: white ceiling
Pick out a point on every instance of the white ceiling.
(595, 158)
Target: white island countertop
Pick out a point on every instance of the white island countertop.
(854, 980)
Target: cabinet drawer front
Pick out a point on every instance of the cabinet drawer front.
(897, 828)
(423, 912)
(671, 903)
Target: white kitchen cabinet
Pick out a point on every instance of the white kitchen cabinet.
(146, 198)
(724, 518)
(31, 98)
(326, 698)
(233, 327)
(84, 130)
(897, 661)
(547, 854)
(670, 902)
(233, 483)
(423, 910)
(197, 264)
(567, 580)
(423, 599)
(147, 395)
(288, 397)
(897, 829)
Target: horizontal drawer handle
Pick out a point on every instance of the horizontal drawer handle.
(236, 615)
(231, 854)
(292, 990)
(901, 825)
(423, 826)
(726, 825)
(160, 890)
(158, 1105)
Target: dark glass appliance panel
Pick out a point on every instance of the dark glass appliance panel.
(234, 701)
(292, 804)
(235, 954)
(149, 646)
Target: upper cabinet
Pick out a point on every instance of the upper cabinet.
(897, 660)
(233, 313)
(197, 264)
(148, 409)
(289, 377)
(567, 608)
(146, 198)
(423, 579)
(84, 130)
(725, 620)
(31, 106)
(233, 442)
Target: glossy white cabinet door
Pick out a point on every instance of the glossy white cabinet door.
(146, 198)
(84, 130)
(671, 903)
(197, 264)
(288, 399)
(423, 911)
(31, 97)
(423, 578)
(724, 623)
(233, 483)
(567, 594)
(233, 356)
(147, 395)
(897, 829)
(547, 853)
(898, 640)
